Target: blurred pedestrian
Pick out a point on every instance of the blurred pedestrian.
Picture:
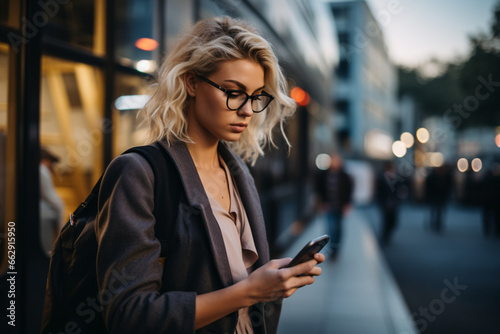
(490, 200)
(51, 205)
(437, 189)
(387, 196)
(334, 188)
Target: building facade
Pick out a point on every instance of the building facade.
(366, 88)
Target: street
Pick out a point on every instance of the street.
(355, 294)
(450, 281)
(446, 283)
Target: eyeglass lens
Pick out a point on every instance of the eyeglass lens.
(236, 100)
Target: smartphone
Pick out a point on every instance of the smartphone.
(311, 248)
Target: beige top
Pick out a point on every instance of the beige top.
(238, 240)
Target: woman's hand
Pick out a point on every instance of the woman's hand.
(269, 282)
(272, 281)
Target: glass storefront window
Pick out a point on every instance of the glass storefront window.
(137, 34)
(130, 95)
(4, 84)
(78, 22)
(72, 127)
(9, 12)
(4, 66)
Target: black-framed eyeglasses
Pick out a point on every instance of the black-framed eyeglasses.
(236, 99)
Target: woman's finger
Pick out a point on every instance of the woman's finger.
(299, 269)
(316, 271)
(319, 257)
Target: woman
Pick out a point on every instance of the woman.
(217, 277)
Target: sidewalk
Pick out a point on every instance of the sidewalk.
(356, 293)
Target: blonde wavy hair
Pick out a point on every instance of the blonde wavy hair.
(203, 49)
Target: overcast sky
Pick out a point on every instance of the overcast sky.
(421, 29)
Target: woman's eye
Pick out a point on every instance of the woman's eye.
(235, 95)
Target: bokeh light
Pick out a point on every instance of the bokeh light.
(434, 159)
(462, 165)
(423, 135)
(476, 165)
(407, 139)
(399, 149)
(323, 161)
(146, 44)
(146, 66)
(300, 96)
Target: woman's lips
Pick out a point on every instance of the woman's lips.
(239, 127)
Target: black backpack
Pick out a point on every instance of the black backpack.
(72, 278)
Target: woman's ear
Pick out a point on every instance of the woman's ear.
(190, 82)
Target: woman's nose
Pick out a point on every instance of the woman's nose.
(246, 109)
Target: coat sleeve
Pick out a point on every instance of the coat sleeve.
(128, 271)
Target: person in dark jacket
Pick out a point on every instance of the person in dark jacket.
(388, 200)
(437, 189)
(218, 97)
(490, 200)
(334, 189)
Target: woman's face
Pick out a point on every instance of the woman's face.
(209, 118)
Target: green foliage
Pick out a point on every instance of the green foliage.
(495, 27)
(483, 66)
(468, 91)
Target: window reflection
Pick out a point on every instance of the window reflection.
(9, 12)
(71, 126)
(79, 22)
(4, 11)
(131, 94)
(136, 40)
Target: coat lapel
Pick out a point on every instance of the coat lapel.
(198, 199)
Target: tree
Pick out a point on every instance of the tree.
(480, 75)
(468, 91)
(480, 79)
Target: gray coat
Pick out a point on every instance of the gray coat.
(138, 294)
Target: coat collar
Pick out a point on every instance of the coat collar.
(198, 199)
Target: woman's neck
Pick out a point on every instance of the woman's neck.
(204, 156)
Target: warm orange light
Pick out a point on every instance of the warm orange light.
(300, 96)
(146, 44)
(497, 140)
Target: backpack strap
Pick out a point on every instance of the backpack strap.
(166, 189)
